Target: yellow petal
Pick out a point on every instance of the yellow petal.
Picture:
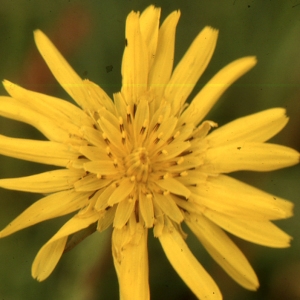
(93, 136)
(10, 108)
(235, 198)
(123, 212)
(61, 70)
(130, 255)
(257, 127)
(141, 122)
(102, 201)
(53, 108)
(112, 134)
(106, 218)
(123, 190)
(168, 207)
(98, 97)
(90, 183)
(174, 186)
(47, 259)
(249, 156)
(210, 94)
(49, 255)
(50, 153)
(149, 23)
(190, 68)
(48, 182)
(223, 250)
(135, 61)
(259, 232)
(161, 70)
(94, 153)
(49, 207)
(146, 209)
(101, 167)
(187, 266)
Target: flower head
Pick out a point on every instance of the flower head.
(146, 159)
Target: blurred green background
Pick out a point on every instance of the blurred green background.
(90, 34)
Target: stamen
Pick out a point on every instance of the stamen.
(108, 151)
(115, 163)
(121, 124)
(189, 139)
(129, 121)
(123, 137)
(172, 138)
(159, 121)
(187, 152)
(137, 165)
(106, 140)
(143, 129)
(158, 138)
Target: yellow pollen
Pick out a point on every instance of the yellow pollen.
(137, 164)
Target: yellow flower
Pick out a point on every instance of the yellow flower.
(147, 160)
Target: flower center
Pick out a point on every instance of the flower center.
(137, 164)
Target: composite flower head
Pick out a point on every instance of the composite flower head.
(147, 159)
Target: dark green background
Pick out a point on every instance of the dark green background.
(90, 34)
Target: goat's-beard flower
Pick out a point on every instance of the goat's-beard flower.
(146, 160)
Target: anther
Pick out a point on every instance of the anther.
(170, 140)
(108, 152)
(121, 124)
(186, 152)
(123, 137)
(143, 129)
(158, 138)
(159, 121)
(129, 121)
(115, 163)
(106, 140)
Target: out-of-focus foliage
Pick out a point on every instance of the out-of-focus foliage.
(90, 33)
